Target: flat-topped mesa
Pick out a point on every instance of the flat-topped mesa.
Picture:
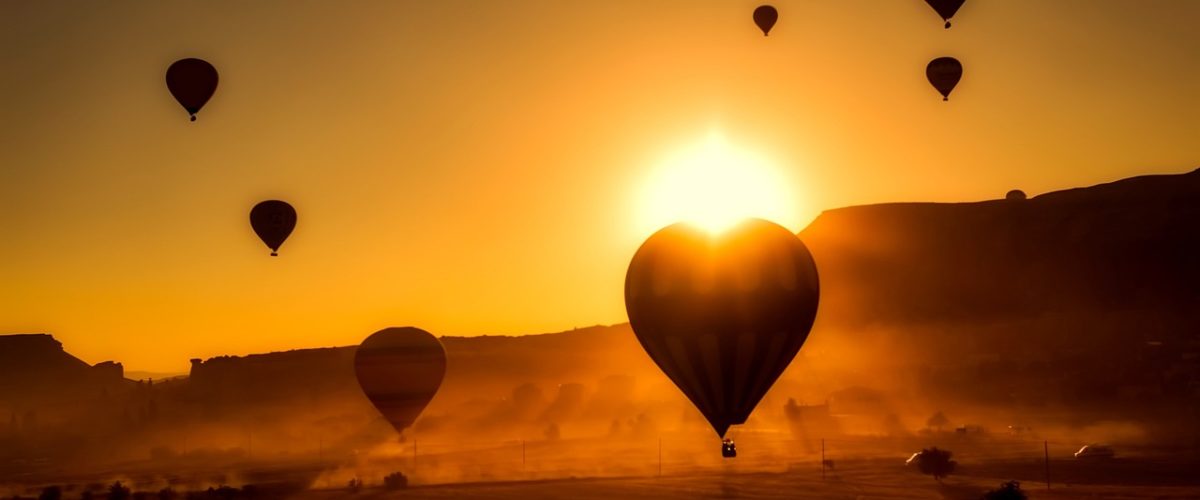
(36, 367)
(1124, 245)
(16, 341)
(33, 350)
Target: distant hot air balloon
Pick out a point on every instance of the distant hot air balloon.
(399, 370)
(945, 8)
(273, 221)
(724, 315)
(944, 73)
(765, 17)
(192, 82)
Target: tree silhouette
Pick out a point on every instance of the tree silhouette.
(395, 481)
(118, 491)
(937, 421)
(936, 463)
(1007, 491)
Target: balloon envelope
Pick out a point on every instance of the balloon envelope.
(399, 370)
(722, 316)
(945, 8)
(765, 17)
(944, 73)
(273, 221)
(192, 82)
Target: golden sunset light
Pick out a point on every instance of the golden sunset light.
(713, 184)
(599, 249)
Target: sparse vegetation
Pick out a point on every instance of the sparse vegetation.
(936, 463)
(51, 493)
(118, 491)
(395, 481)
(1010, 490)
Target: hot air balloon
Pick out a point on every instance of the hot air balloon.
(192, 82)
(399, 370)
(722, 315)
(765, 17)
(945, 8)
(944, 73)
(273, 221)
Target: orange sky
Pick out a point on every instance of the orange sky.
(477, 167)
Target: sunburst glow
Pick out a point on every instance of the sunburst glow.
(713, 184)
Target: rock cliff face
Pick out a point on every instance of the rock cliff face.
(477, 367)
(1087, 298)
(35, 370)
(1133, 244)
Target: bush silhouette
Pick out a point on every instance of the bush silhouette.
(936, 463)
(118, 491)
(167, 494)
(51, 493)
(1007, 491)
(395, 481)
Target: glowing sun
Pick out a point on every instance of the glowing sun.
(714, 184)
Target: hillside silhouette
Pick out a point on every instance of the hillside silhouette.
(1125, 245)
(1068, 308)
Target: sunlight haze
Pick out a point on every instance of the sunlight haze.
(490, 167)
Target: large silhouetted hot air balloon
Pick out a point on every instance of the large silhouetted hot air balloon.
(722, 315)
(399, 370)
(765, 17)
(944, 73)
(945, 8)
(192, 82)
(273, 221)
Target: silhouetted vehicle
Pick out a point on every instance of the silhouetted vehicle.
(722, 315)
(1094, 451)
(728, 449)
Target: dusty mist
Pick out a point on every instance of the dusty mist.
(586, 403)
(1069, 317)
